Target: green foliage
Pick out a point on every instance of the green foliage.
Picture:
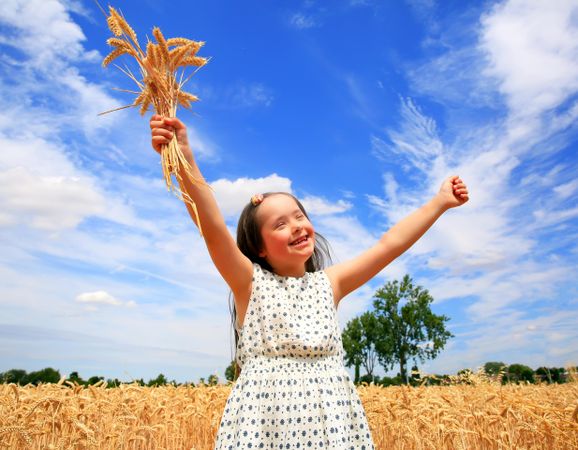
(230, 372)
(75, 378)
(160, 380)
(48, 375)
(407, 329)
(93, 380)
(494, 368)
(518, 373)
(551, 374)
(16, 376)
(369, 379)
(113, 383)
(391, 381)
(359, 337)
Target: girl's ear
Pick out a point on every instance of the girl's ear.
(262, 254)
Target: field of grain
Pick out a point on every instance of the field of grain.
(486, 416)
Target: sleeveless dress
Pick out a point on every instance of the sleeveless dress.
(293, 391)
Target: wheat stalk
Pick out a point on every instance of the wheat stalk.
(162, 69)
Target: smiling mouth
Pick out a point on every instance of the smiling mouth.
(300, 240)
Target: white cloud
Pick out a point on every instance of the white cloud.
(54, 195)
(50, 203)
(100, 298)
(232, 196)
(347, 236)
(302, 21)
(416, 139)
(566, 190)
(203, 148)
(315, 205)
(254, 94)
(422, 8)
(235, 95)
(45, 32)
(532, 48)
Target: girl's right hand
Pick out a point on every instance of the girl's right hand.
(162, 131)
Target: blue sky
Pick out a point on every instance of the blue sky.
(360, 108)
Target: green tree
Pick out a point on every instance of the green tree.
(113, 383)
(407, 327)
(551, 374)
(230, 371)
(75, 378)
(160, 380)
(17, 376)
(359, 339)
(494, 368)
(93, 380)
(47, 375)
(517, 373)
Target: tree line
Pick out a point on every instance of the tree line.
(50, 375)
(514, 373)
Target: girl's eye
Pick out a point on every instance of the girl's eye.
(279, 225)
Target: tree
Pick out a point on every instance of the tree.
(519, 372)
(359, 339)
(407, 327)
(230, 374)
(160, 380)
(75, 378)
(17, 376)
(494, 368)
(94, 379)
(551, 374)
(47, 375)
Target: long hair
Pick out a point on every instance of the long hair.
(250, 243)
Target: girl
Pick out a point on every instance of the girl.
(293, 391)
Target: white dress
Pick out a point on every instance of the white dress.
(293, 391)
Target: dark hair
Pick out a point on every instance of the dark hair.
(250, 243)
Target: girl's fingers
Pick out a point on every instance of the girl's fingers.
(156, 121)
(158, 142)
(167, 133)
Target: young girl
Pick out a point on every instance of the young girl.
(293, 391)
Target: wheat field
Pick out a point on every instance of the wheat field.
(484, 416)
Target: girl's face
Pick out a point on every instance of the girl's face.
(288, 236)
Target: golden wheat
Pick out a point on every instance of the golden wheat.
(162, 71)
(475, 416)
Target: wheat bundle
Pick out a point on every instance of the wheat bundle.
(162, 77)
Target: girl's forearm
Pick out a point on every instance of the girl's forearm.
(407, 231)
(194, 185)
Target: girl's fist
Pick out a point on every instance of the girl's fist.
(454, 192)
(164, 128)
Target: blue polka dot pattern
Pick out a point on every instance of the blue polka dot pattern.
(293, 391)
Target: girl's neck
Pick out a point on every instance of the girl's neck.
(287, 271)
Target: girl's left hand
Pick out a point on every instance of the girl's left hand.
(453, 192)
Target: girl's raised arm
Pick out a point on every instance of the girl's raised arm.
(349, 275)
(234, 267)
